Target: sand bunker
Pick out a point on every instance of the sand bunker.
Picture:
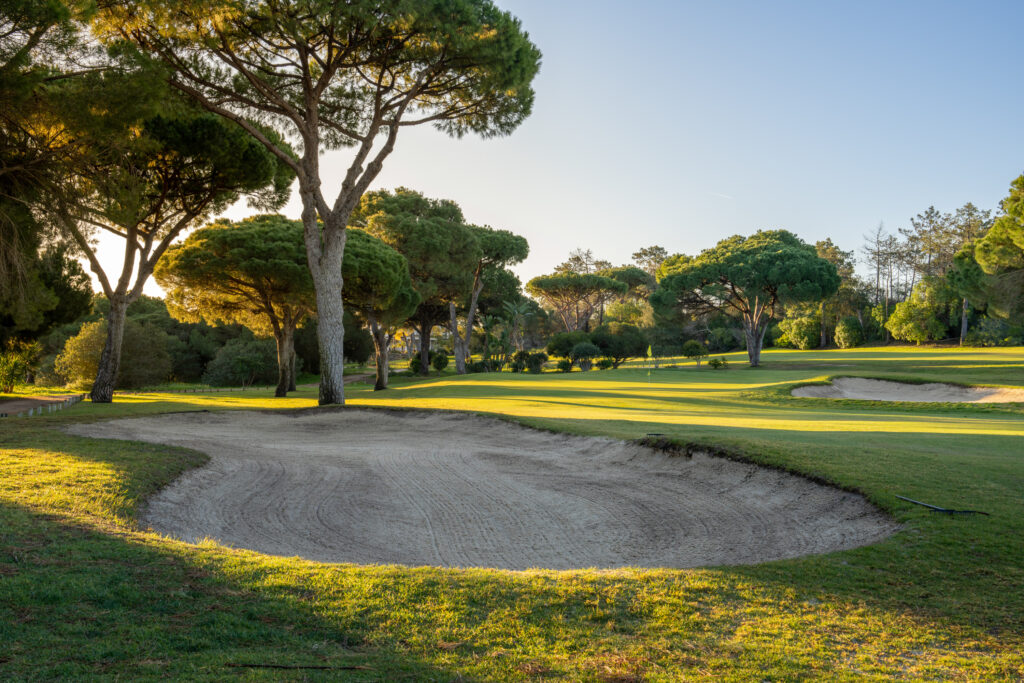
(450, 490)
(879, 390)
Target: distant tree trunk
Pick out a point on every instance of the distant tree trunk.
(461, 346)
(460, 349)
(425, 328)
(284, 335)
(755, 324)
(963, 321)
(380, 346)
(110, 360)
(291, 360)
(824, 327)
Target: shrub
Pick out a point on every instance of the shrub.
(562, 343)
(46, 374)
(583, 354)
(435, 358)
(718, 364)
(722, 339)
(439, 361)
(242, 362)
(619, 341)
(565, 365)
(518, 362)
(995, 332)
(144, 357)
(925, 315)
(849, 333)
(535, 362)
(478, 366)
(15, 363)
(605, 364)
(803, 333)
(359, 345)
(415, 366)
(695, 351)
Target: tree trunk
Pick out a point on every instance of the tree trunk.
(110, 360)
(292, 363)
(425, 328)
(380, 346)
(824, 333)
(331, 335)
(461, 351)
(963, 321)
(754, 333)
(285, 339)
(325, 251)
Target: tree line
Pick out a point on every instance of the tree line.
(140, 123)
(142, 119)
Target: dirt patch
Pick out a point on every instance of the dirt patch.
(13, 406)
(881, 390)
(449, 490)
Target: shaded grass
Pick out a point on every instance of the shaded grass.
(83, 593)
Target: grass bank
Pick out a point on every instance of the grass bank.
(83, 592)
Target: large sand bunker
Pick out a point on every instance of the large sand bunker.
(880, 390)
(450, 489)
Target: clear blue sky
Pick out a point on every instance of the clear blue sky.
(681, 123)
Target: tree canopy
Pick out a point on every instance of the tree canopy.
(36, 39)
(335, 75)
(251, 272)
(1000, 253)
(498, 250)
(650, 258)
(153, 176)
(380, 290)
(573, 295)
(443, 252)
(748, 277)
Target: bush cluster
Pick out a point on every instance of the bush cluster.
(616, 342)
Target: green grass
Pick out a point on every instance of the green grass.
(84, 593)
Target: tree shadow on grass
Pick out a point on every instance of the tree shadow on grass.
(84, 596)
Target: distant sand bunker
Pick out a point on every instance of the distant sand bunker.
(448, 489)
(880, 390)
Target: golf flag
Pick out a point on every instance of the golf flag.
(650, 355)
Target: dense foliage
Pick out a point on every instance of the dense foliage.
(748, 277)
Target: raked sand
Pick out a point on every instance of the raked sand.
(456, 490)
(880, 390)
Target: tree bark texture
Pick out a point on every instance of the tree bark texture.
(380, 346)
(754, 333)
(285, 338)
(110, 359)
(324, 253)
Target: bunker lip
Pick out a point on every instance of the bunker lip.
(461, 490)
(885, 390)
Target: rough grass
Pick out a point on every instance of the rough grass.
(83, 593)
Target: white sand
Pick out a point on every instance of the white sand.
(448, 489)
(880, 390)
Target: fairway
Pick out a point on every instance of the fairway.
(86, 591)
